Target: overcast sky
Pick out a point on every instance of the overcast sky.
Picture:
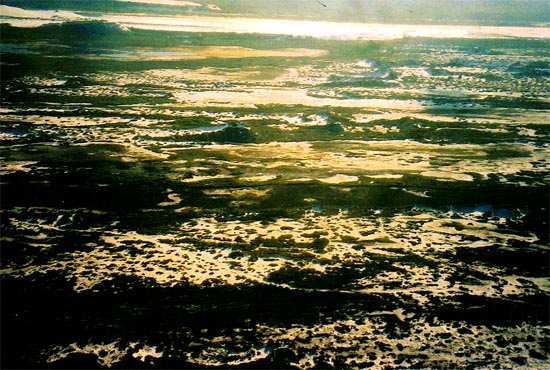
(483, 12)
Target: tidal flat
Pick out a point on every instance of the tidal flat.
(219, 200)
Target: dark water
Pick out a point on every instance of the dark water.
(358, 204)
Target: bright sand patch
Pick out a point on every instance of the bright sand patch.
(165, 2)
(284, 96)
(339, 179)
(34, 18)
(259, 178)
(231, 52)
(321, 29)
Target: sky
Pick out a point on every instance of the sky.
(458, 12)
